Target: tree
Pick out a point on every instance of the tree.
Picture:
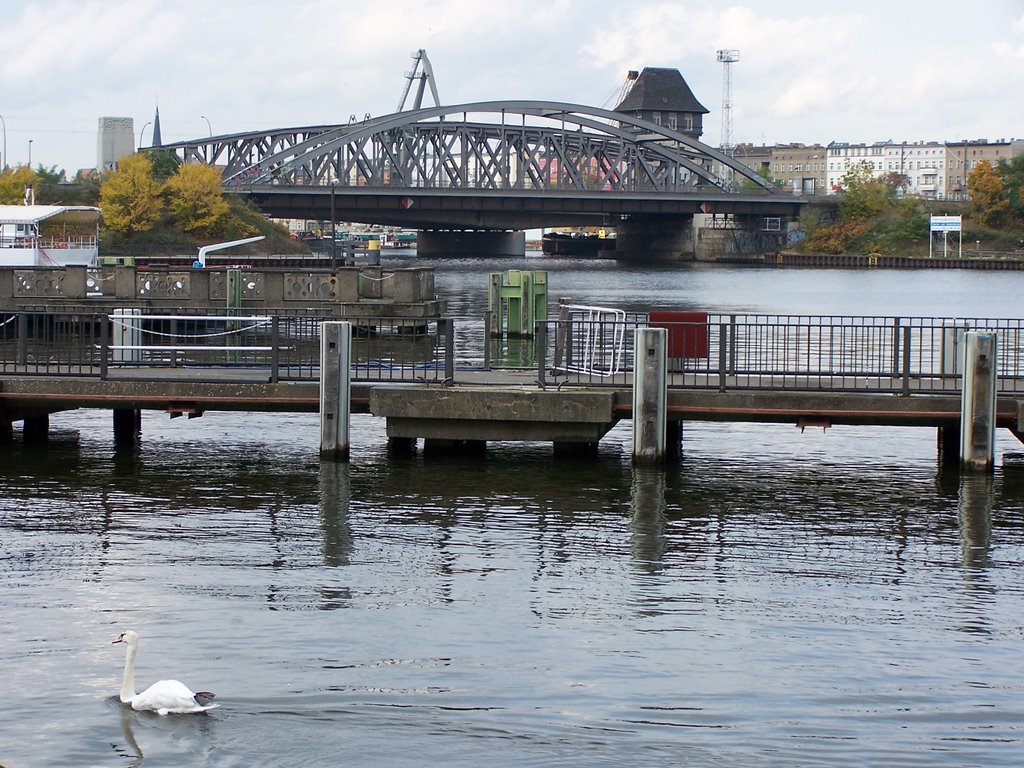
(14, 182)
(863, 196)
(196, 199)
(1012, 174)
(130, 196)
(165, 163)
(989, 204)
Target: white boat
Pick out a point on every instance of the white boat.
(49, 235)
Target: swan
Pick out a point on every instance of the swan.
(163, 697)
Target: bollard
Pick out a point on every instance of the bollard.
(978, 402)
(650, 394)
(335, 389)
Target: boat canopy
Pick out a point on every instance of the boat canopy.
(33, 214)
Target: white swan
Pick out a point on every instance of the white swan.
(164, 697)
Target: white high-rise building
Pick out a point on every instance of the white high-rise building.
(116, 139)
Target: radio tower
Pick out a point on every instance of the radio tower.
(728, 57)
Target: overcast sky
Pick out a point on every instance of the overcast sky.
(868, 70)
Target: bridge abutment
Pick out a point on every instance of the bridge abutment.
(470, 243)
(655, 239)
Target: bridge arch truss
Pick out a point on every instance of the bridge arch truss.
(484, 146)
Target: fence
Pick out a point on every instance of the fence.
(791, 352)
(283, 347)
(586, 345)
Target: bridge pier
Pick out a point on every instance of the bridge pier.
(432, 242)
(655, 239)
(127, 426)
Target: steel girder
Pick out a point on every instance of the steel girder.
(526, 145)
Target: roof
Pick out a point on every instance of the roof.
(31, 214)
(662, 89)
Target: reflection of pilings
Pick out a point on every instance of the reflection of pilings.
(647, 526)
(335, 495)
(975, 514)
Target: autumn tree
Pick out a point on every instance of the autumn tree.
(863, 196)
(195, 198)
(13, 183)
(130, 196)
(989, 204)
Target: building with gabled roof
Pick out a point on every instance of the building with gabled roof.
(661, 96)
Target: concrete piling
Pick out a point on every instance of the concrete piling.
(978, 402)
(650, 394)
(335, 389)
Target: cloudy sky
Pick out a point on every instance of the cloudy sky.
(809, 71)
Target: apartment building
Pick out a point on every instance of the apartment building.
(802, 169)
(927, 169)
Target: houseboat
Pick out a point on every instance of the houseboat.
(49, 235)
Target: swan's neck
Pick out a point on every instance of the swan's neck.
(128, 681)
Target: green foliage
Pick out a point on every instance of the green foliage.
(165, 163)
(1012, 174)
(51, 175)
(130, 196)
(863, 196)
(196, 200)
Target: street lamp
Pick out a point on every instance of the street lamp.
(5, 140)
(210, 129)
(143, 131)
(30, 153)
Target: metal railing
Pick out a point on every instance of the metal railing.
(276, 347)
(587, 345)
(795, 352)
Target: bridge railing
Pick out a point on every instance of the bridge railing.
(900, 355)
(275, 347)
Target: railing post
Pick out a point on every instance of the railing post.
(732, 344)
(906, 361)
(487, 341)
(275, 349)
(895, 345)
(21, 357)
(107, 328)
(541, 340)
(449, 348)
(723, 355)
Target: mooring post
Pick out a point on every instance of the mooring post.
(978, 402)
(650, 394)
(335, 389)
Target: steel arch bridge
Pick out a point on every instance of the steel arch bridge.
(529, 150)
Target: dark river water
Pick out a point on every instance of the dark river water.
(777, 598)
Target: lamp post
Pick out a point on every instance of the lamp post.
(208, 127)
(30, 154)
(143, 131)
(4, 122)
